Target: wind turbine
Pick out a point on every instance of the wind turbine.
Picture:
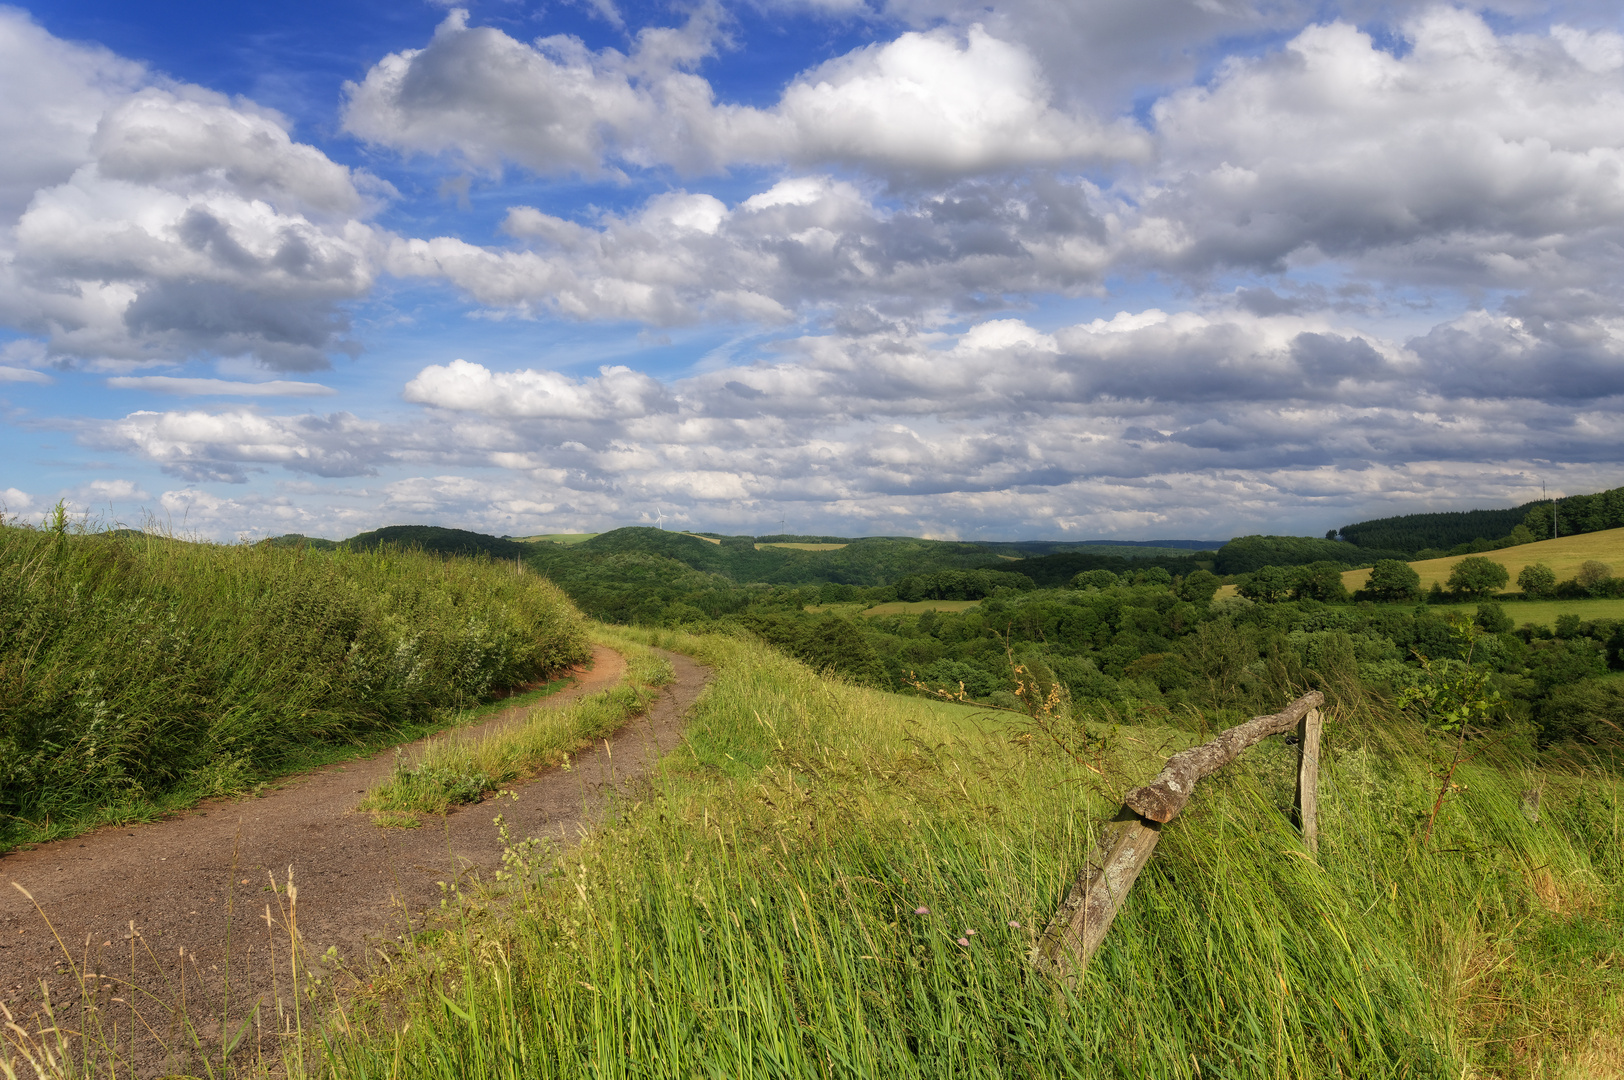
(659, 520)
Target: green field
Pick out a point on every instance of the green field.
(1544, 612)
(557, 538)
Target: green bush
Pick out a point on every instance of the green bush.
(1492, 618)
(137, 669)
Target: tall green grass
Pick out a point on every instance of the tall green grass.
(827, 881)
(137, 670)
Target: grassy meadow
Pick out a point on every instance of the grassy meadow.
(832, 881)
(788, 546)
(139, 673)
(918, 607)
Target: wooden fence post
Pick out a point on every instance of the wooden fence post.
(1080, 923)
(1307, 800)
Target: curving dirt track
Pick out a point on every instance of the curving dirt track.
(181, 881)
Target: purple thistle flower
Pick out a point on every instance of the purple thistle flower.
(965, 942)
(921, 910)
(969, 933)
(1015, 924)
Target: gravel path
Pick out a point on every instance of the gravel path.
(184, 881)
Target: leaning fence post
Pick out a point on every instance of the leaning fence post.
(1079, 925)
(1307, 800)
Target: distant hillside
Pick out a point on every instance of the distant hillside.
(441, 540)
(1245, 554)
(1054, 571)
(294, 540)
(873, 560)
(627, 573)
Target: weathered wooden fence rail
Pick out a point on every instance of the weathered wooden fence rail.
(1125, 844)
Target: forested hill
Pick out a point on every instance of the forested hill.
(1411, 533)
(1441, 533)
(866, 561)
(437, 539)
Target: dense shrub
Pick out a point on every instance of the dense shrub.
(133, 666)
(1537, 581)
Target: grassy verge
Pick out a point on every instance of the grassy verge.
(836, 882)
(461, 768)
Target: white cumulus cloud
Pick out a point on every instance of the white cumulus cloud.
(935, 102)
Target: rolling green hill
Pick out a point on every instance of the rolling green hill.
(440, 540)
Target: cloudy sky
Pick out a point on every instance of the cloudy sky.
(1035, 268)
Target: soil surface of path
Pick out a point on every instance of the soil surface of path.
(183, 881)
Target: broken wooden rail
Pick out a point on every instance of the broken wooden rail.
(1126, 843)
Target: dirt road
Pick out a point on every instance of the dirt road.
(182, 881)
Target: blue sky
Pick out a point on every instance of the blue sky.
(1038, 269)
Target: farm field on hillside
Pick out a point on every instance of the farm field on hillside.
(1564, 555)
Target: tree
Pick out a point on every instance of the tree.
(1199, 586)
(1319, 581)
(1594, 577)
(1393, 579)
(1519, 536)
(1449, 697)
(1095, 579)
(1267, 584)
(1536, 580)
(1475, 577)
